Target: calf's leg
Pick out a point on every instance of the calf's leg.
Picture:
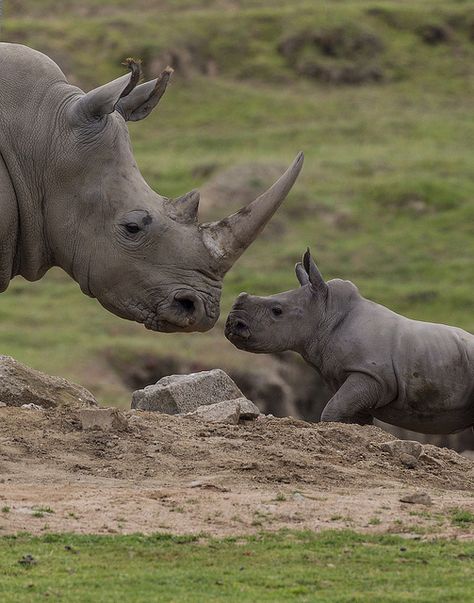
(354, 400)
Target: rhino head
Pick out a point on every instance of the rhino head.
(286, 321)
(143, 256)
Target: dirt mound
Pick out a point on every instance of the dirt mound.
(180, 474)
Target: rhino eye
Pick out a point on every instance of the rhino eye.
(132, 228)
(276, 311)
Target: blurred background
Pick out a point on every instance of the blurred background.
(379, 95)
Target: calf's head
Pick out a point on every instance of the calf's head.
(283, 321)
(143, 256)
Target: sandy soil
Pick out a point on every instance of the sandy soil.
(166, 473)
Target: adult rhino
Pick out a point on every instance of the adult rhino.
(71, 195)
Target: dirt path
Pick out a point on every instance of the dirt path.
(176, 474)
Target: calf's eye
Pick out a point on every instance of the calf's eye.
(276, 311)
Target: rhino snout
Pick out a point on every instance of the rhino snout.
(185, 311)
(236, 328)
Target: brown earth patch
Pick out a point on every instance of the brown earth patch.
(167, 473)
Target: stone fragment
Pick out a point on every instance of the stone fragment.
(20, 385)
(32, 407)
(2, 404)
(106, 419)
(398, 447)
(220, 412)
(248, 410)
(176, 394)
(417, 498)
(408, 460)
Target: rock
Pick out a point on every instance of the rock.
(398, 447)
(32, 407)
(248, 410)
(417, 498)
(185, 393)
(408, 460)
(221, 412)
(2, 404)
(106, 419)
(20, 385)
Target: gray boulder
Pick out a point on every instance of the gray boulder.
(21, 385)
(221, 412)
(248, 410)
(177, 394)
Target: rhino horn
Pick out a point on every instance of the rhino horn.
(184, 209)
(227, 239)
(103, 100)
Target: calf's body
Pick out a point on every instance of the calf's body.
(412, 374)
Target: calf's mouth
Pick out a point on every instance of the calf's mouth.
(237, 329)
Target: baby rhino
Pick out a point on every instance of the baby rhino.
(378, 364)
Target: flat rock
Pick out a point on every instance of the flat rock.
(176, 394)
(106, 419)
(417, 498)
(220, 412)
(248, 410)
(398, 447)
(21, 385)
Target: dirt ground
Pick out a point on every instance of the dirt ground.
(177, 474)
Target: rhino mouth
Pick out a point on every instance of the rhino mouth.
(183, 311)
(237, 330)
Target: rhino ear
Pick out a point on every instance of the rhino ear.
(301, 274)
(144, 98)
(103, 100)
(315, 277)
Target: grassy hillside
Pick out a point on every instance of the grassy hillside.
(377, 94)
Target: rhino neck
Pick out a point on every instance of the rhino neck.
(32, 86)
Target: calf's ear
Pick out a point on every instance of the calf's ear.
(315, 277)
(301, 274)
(144, 98)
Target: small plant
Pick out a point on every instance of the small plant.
(461, 517)
(280, 497)
(6, 509)
(374, 521)
(40, 511)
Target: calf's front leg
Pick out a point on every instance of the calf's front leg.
(354, 401)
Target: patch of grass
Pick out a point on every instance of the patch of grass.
(291, 566)
(6, 509)
(41, 511)
(462, 517)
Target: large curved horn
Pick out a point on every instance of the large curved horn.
(227, 239)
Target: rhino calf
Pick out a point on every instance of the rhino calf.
(378, 364)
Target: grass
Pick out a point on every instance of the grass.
(331, 566)
(386, 196)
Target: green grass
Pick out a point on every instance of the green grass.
(331, 566)
(386, 197)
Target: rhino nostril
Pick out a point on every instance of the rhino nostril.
(240, 324)
(186, 302)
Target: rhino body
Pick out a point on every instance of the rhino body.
(71, 195)
(378, 364)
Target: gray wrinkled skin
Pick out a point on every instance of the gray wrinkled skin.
(412, 374)
(71, 195)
